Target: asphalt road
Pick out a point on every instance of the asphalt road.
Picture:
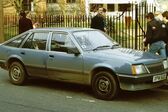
(40, 95)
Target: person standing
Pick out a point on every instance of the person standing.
(24, 23)
(104, 21)
(155, 35)
(165, 20)
(98, 22)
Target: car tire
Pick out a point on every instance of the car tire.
(105, 85)
(17, 73)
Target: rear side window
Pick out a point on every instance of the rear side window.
(16, 42)
(36, 41)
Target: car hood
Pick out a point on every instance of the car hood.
(131, 55)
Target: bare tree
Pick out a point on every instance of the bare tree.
(82, 6)
(17, 4)
(62, 5)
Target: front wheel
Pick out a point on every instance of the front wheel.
(17, 73)
(105, 85)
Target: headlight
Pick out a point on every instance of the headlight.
(138, 69)
(165, 64)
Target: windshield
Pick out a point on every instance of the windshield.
(94, 40)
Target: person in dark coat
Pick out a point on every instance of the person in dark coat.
(155, 35)
(98, 22)
(165, 20)
(24, 23)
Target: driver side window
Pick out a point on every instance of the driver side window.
(60, 42)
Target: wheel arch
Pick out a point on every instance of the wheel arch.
(98, 88)
(98, 69)
(15, 59)
(23, 75)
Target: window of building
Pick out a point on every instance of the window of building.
(52, 1)
(124, 7)
(94, 7)
(71, 1)
(110, 7)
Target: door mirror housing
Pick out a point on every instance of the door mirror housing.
(73, 50)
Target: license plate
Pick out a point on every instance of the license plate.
(159, 77)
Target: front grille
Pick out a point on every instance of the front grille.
(155, 68)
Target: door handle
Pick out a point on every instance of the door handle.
(23, 53)
(52, 56)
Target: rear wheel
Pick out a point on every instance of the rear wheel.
(17, 73)
(105, 85)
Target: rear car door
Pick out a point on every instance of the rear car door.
(34, 54)
(62, 65)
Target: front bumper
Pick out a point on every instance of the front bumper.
(134, 83)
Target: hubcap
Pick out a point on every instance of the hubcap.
(16, 73)
(104, 85)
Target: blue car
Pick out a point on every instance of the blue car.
(83, 56)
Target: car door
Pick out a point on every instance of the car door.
(62, 65)
(34, 54)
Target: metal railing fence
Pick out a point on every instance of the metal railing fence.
(126, 27)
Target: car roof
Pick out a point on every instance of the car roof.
(67, 29)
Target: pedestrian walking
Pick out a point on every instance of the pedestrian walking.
(155, 35)
(98, 21)
(24, 23)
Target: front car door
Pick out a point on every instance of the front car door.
(34, 54)
(62, 65)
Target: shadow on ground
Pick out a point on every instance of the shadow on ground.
(123, 95)
(157, 93)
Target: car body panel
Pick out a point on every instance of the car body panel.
(80, 67)
(115, 60)
(35, 62)
(64, 66)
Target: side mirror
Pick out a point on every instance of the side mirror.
(73, 50)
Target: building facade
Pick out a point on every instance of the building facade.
(70, 7)
(48, 6)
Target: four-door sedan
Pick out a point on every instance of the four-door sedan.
(83, 56)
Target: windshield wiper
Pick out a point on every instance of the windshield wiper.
(103, 46)
(115, 46)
